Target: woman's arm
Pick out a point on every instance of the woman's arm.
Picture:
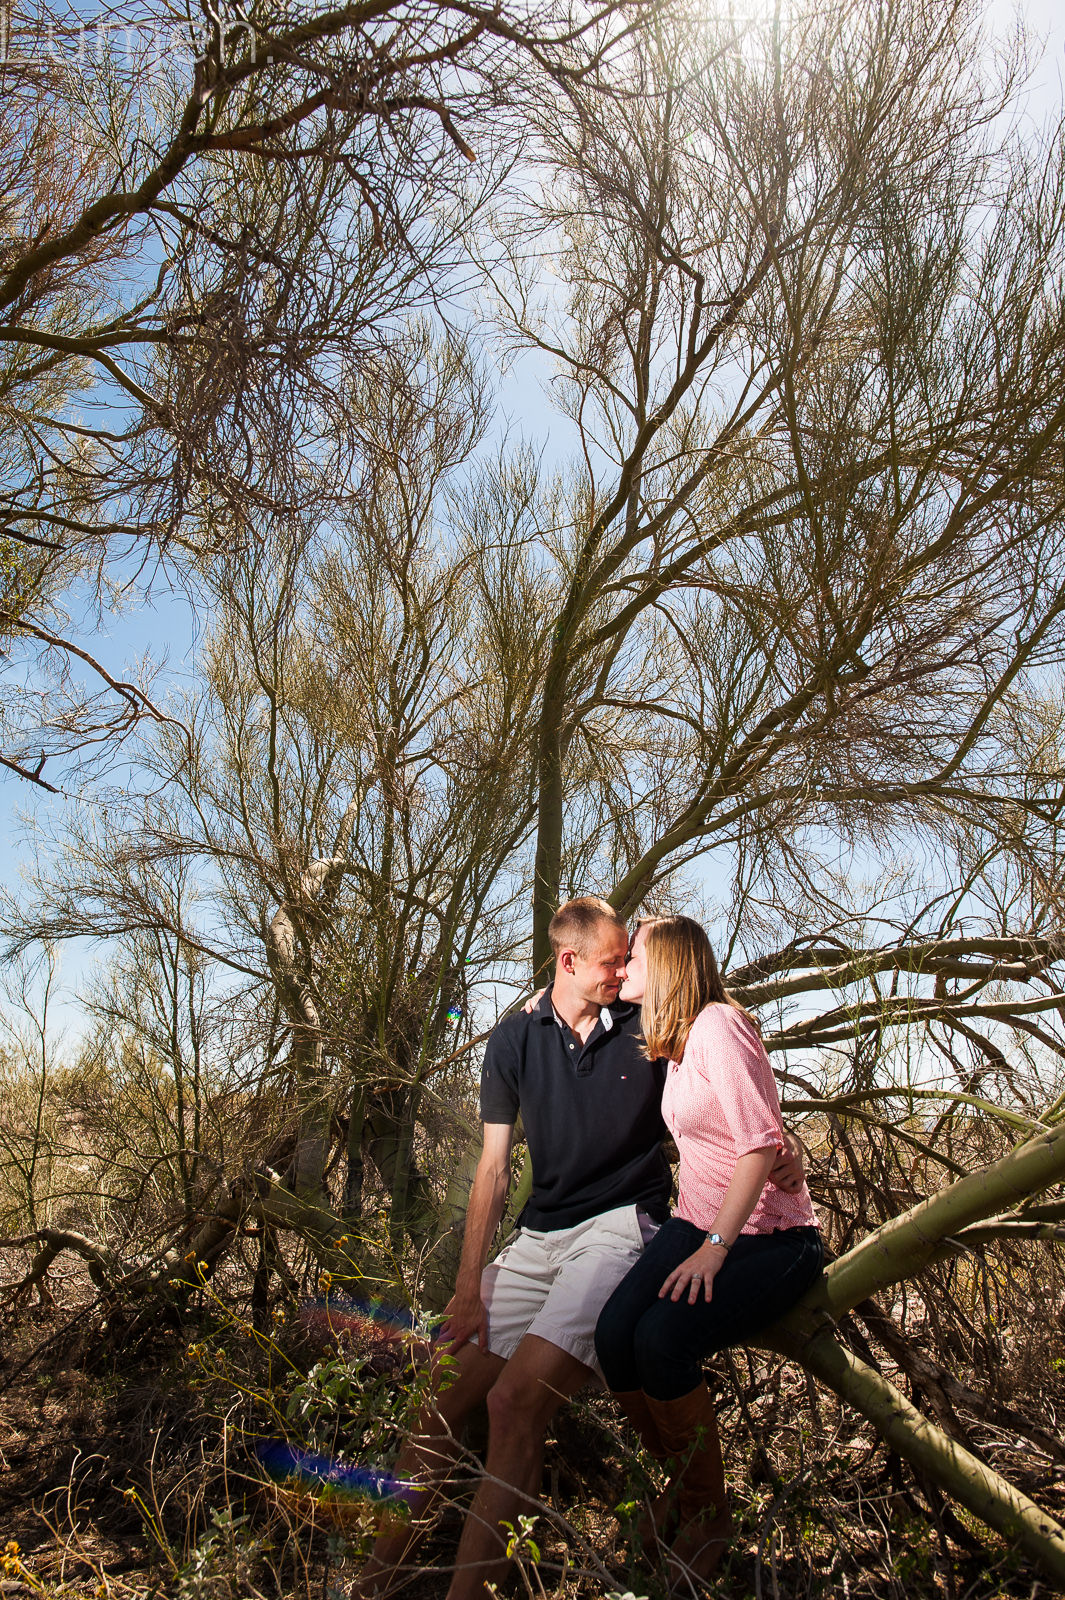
(699, 1271)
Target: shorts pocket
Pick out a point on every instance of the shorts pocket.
(628, 1225)
(614, 1232)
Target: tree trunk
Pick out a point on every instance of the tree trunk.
(897, 1250)
(808, 1338)
(547, 869)
(908, 1242)
(411, 1209)
(356, 1166)
(443, 1263)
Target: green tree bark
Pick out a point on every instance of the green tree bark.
(807, 1337)
(897, 1250)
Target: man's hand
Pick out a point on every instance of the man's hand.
(787, 1170)
(531, 1004)
(464, 1315)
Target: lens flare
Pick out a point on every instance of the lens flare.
(342, 1315)
(454, 1013)
(322, 1474)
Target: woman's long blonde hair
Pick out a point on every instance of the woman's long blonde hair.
(682, 977)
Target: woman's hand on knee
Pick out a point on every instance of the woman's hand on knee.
(695, 1276)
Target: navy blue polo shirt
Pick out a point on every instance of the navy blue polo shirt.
(591, 1113)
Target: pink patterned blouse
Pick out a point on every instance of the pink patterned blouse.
(719, 1103)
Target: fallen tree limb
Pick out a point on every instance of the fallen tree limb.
(898, 1250)
(103, 1264)
(906, 1243)
(936, 1382)
(807, 1335)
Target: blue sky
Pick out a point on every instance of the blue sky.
(163, 626)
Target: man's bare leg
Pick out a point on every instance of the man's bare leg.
(423, 1459)
(539, 1377)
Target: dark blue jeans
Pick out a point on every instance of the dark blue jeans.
(659, 1345)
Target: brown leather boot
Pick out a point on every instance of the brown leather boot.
(688, 1429)
(651, 1524)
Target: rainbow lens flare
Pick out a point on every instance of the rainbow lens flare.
(313, 1470)
(454, 1013)
(344, 1316)
(351, 1500)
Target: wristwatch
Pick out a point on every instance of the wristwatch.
(715, 1238)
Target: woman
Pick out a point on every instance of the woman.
(736, 1253)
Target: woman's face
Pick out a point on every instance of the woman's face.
(635, 968)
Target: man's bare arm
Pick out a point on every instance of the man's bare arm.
(465, 1312)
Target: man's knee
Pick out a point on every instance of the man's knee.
(521, 1401)
(455, 1393)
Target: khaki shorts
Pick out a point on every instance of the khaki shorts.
(555, 1284)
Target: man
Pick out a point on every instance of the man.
(589, 1101)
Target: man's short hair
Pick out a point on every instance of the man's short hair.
(576, 924)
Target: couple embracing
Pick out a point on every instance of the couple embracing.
(631, 1043)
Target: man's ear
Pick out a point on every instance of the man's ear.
(565, 960)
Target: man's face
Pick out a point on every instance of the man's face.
(636, 968)
(597, 974)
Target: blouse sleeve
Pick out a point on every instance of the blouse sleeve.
(726, 1051)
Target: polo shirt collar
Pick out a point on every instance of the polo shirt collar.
(545, 1009)
(609, 1016)
(606, 1020)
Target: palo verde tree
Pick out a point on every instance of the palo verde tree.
(808, 325)
(793, 611)
(209, 219)
(336, 842)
